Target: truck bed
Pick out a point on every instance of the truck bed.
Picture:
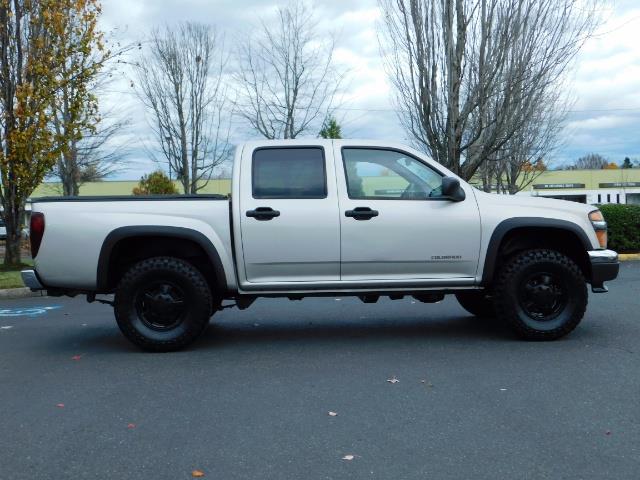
(78, 227)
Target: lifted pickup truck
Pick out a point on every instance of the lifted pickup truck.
(323, 218)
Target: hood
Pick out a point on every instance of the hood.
(526, 201)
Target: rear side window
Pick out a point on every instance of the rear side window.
(289, 173)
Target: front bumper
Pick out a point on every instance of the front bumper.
(31, 280)
(604, 266)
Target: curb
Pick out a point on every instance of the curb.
(12, 293)
(625, 257)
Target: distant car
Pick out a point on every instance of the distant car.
(3, 231)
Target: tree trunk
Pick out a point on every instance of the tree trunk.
(13, 222)
(12, 255)
(70, 172)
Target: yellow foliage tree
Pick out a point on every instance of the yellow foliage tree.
(75, 106)
(35, 46)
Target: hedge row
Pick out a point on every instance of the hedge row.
(624, 226)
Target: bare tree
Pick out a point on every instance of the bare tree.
(99, 153)
(469, 73)
(525, 156)
(287, 83)
(590, 161)
(181, 82)
(93, 149)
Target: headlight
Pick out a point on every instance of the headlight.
(600, 226)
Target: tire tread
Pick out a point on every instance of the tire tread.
(127, 283)
(506, 275)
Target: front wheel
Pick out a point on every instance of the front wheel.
(162, 304)
(541, 294)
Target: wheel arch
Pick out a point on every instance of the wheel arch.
(516, 234)
(194, 245)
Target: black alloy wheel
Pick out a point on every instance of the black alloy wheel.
(160, 305)
(543, 296)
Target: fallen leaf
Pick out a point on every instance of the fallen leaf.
(393, 379)
(60, 405)
(197, 473)
(131, 425)
(348, 457)
(333, 414)
(76, 357)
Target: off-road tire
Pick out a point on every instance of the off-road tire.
(508, 296)
(477, 303)
(196, 299)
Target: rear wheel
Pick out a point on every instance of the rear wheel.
(540, 294)
(162, 304)
(476, 303)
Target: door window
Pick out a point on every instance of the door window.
(389, 174)
(289, 173)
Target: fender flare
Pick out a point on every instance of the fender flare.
(504, 227)
(122, 233)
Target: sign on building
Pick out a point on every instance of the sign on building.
(618, 184)
(557, 186)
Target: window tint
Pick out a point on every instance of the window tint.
(289, 173)
(388, 174)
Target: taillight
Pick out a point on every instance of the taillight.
(36, 231)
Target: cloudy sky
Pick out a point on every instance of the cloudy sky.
(605, 81)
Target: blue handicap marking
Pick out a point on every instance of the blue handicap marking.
(26, 311)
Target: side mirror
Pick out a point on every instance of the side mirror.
(452, 190)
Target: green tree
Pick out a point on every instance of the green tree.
(34, 50)
(156, 183)
(627, 163)
(331, 128)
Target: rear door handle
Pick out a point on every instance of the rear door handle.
(361, 213)
(263, 213)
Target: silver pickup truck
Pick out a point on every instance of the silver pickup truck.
(323, 218)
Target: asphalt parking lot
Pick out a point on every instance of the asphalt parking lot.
(252, 399)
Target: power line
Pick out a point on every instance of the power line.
(395, 110)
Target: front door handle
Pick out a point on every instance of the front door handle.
(361, 213)
(263, 213)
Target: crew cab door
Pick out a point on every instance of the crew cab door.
(289, 220)
(395, 223)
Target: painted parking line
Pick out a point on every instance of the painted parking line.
(27, 311)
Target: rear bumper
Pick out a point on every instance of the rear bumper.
(604, 266)
(31, 280)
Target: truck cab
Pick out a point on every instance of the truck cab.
(349, 214)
